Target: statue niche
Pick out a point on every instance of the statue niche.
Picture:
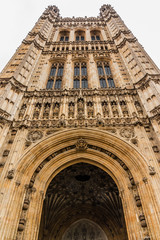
(105, 109)
(71, 109)
(124, 108)
(114, 109)
(46, 111)
(90, 109)
(37, 110)
(56, 108)
(22, 111)
(80, 108)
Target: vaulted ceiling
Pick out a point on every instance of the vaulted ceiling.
(82, 191)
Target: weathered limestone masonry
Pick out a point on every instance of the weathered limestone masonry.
(79, 133)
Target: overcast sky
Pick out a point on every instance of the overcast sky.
(17, 17)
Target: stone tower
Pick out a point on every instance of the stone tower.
(79, 127)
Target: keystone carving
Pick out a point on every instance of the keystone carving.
(81, 145)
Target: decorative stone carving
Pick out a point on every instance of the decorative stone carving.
(155, 149)
(71, 110)
(56, 108)
(37, 110)
(46, 110)
(152, 170)
(124, 108)
(138, 201)
(80, 106)
(5, 153)
(90, 109)
(11, 174)
(26, 204)
(34, 136)
(2, 164)
(127, 132)
(99, 120)
(142, 220)
(21, 225)
(134, 141)
(105, 109)
(31, 181)
(62, 121)
(81, 145)
(22, 111)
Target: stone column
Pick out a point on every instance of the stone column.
(93, 78)
(68, 73)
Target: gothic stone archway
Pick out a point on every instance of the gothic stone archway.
(23, 201)
(82, 191)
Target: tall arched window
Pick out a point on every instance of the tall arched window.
(50, 84)
(111, 83)
(64, 36)
(58, 84)
(84, 83)
(76, 83)
(55, 77)
(80, 75)
(100, 70)
(103, 83)
(80, 35)
(105, 71)
(95, 35)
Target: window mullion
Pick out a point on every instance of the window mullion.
(105, 75)
(55, 77)
(80, 76)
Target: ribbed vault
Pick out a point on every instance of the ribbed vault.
(82, 191)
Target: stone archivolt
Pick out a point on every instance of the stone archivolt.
(80, 158)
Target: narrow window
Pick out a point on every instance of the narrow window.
(84, 83)
(84, 71)
(58, 84)
(97, 37)
(77, 38)
(76, 71)
(82, 38)
(53, 72)
(67, 39)
(62, 38)
(49, 84)
(60, 72)
(111, 83)
(103, 83)
(107, 70)
(93, 38)
(100, 70)
(76, 83)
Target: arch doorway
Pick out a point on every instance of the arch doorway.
(82, 202)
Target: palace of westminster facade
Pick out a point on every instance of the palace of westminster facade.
(80, 131)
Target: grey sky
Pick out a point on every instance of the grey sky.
(17, 17)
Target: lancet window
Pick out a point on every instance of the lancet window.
(55, 77)
(105, 75)
(80, 75)
(95, 35)
(64, 36)
(79, 35)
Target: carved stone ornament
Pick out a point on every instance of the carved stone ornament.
(10, 174)
(34, 135)
(151, 170)
(127, 132)
(81, 145)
